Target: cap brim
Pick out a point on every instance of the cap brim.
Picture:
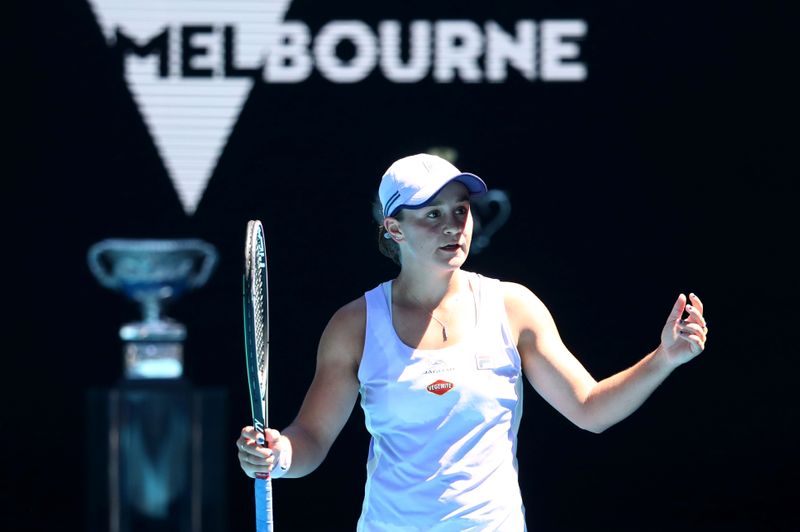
(474, 184)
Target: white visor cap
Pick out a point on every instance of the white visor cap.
(413, 181)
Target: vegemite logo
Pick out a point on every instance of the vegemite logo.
(440, 387)
(190, 64)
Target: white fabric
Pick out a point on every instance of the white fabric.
(446, 461)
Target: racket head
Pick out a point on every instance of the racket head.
(256, 322)
(256, 340)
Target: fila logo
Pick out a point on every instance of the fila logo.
(190, 64)
(440, 387)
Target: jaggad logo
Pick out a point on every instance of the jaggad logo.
(190, 64)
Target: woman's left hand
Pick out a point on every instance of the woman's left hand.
(682, 339)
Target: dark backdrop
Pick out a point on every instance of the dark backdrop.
(671, 168)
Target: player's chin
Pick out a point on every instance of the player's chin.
(455, 260)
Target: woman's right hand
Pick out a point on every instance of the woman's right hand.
(274, 457)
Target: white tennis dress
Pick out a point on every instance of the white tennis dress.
(443, 422)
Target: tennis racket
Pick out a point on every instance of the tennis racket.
(256, 342)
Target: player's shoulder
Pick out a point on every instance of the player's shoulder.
(513, 291)
(509, 289)
(520, 300)
(352, 313)
(347, 325)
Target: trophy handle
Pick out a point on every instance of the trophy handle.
(209, 261)
(499, 199)
(96, 265)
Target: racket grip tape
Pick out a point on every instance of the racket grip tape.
(263, 492)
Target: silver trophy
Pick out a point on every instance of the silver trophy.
(153, 273)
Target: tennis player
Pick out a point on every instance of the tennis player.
(438, 355)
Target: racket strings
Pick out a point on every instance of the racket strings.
(259, 296)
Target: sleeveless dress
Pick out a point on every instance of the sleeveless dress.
(442, 455)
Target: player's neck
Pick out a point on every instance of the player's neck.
(427, 288)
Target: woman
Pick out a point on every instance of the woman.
(437, 355)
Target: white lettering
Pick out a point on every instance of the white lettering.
(502, 49)
(451, 50)
(419, 60)
(555, 50)
(459, 44)
(364, 59)
(288, 60)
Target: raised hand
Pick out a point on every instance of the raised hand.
(682, 339)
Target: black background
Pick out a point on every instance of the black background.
(672, 168)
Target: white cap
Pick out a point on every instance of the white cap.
(413, 181)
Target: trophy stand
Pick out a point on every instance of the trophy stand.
(154, 441)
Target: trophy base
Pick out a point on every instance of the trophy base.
(153, 360)
(155, 466)
(164, 330)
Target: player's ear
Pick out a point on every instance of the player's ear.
(392, 226)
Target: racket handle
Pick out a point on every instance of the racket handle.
(263, 489)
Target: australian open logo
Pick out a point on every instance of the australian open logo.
(190, 64)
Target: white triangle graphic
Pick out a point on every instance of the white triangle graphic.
(191, 118)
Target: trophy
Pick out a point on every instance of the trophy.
(153, 273)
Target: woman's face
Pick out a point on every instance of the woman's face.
(439, 233)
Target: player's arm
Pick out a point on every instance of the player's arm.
(562, 380)
(301, 447)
